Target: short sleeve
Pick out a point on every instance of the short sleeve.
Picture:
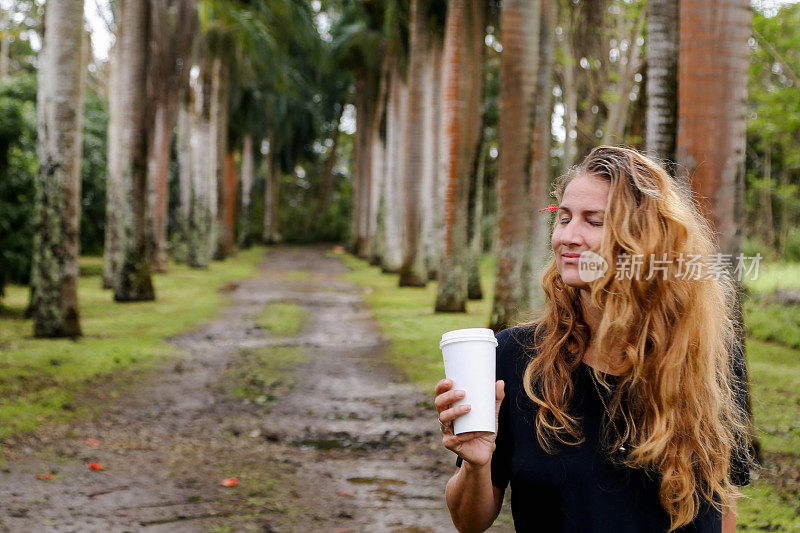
(740, 463)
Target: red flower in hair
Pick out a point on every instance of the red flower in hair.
(551, 208)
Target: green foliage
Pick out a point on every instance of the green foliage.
(300, 222)
(40, 379)
(773, 130)
(93, 174)
(18, 167)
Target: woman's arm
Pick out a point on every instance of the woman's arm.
(729, 519)
(473, 501)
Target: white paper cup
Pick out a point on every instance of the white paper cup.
(469, 361)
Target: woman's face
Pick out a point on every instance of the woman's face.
(579, 226)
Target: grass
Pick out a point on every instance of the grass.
(41, 378)
(773, 276)
(407, 320)
(281, 318)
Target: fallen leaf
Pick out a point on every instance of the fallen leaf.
(345, 494)
(93, 442)
(46, 476)
(343, 530)
(96, 466)
(230, 482)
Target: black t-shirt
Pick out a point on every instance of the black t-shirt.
(577, 489)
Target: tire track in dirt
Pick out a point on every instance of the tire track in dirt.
(350, 447)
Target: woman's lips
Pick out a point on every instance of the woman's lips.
(570, 258)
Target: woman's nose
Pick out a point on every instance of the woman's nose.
(570, 234)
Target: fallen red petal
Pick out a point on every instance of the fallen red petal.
(46, 476)
(230, 482)
(93, 442)
(96, 466)
(345, 494)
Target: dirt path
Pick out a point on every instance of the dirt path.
(349, 448)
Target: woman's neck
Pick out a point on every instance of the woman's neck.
(592, 316)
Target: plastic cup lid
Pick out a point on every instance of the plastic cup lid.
(468, 334)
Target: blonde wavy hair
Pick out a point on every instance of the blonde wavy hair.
(668, 340)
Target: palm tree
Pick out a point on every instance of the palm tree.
(132, 279)
(518, 92)
(413, 272)
(54, 273)
(662, 78)
(171, 38)
(396, 139)
(433, 221)
(712, 96)
(712, 105)
(462, 99)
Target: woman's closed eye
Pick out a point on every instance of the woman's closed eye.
(595, 223)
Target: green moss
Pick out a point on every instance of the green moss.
(263, 374)
(298, 275)
(282, 318)
(39, 377)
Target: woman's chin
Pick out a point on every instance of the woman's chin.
(572, 279)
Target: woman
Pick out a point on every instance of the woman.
(621, 407)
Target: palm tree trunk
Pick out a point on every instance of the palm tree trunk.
(133, 281)
(158, 170)
(219, 123)
(202, 201)
(271, 195)
(540, 159)
(392, 258)
(570, 106)
(412, 271)
(229, 205)
(433, 220)
(462, 97)
(114, 180)
(185, 156)
(54, 273)
(517, 120)
(247, 184)
(712, 104)
(474, 290)
(662, 79)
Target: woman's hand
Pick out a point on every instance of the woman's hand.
(475, 447)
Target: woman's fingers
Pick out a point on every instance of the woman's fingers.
(447, 416)
(445, 399)
(443, 386)
(499, 393)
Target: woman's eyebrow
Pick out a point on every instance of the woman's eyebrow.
(584, 212)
